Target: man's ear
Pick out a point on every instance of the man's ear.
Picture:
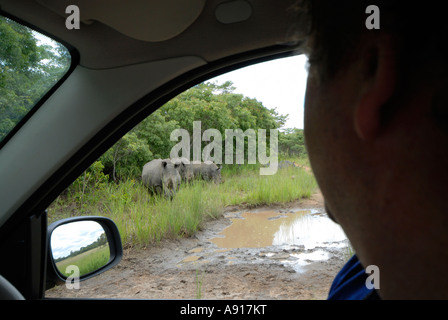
(379, 76)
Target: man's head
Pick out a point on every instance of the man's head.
(376, 130)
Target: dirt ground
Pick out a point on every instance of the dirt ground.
(196, 267)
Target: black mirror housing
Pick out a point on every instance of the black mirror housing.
(97, 234)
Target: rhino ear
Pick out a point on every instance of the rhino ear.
(164, 163)
(219, 168)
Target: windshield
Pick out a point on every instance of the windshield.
(30, 65)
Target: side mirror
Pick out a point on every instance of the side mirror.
(81, 247)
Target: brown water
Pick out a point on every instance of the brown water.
(270, 228)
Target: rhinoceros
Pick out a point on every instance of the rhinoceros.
(161, 176)
(285, 164)
(185, 168)
(207, 171)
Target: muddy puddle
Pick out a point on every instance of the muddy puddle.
(308, 228)
(295, 238)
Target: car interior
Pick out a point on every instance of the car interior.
(127, 59)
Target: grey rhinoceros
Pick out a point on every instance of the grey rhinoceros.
(207, 171)
(285, 164)
(185, 168)
(161, 176)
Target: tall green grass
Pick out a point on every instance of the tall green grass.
(252, 189)
(143, 219)
(289, 184)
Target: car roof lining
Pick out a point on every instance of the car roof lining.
(269, 23)
(152, 21)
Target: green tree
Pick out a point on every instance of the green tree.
(156, 131)
(218, 107)
(291, 142)
(28, 69)
(124, 159)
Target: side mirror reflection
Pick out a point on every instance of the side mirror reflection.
(82, 244)
(81, 247)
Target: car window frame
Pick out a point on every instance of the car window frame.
(130, 117)
(34, 207)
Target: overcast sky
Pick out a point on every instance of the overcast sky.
(73, 236)
(278, 84)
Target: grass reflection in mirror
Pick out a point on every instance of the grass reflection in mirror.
(87, 261)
